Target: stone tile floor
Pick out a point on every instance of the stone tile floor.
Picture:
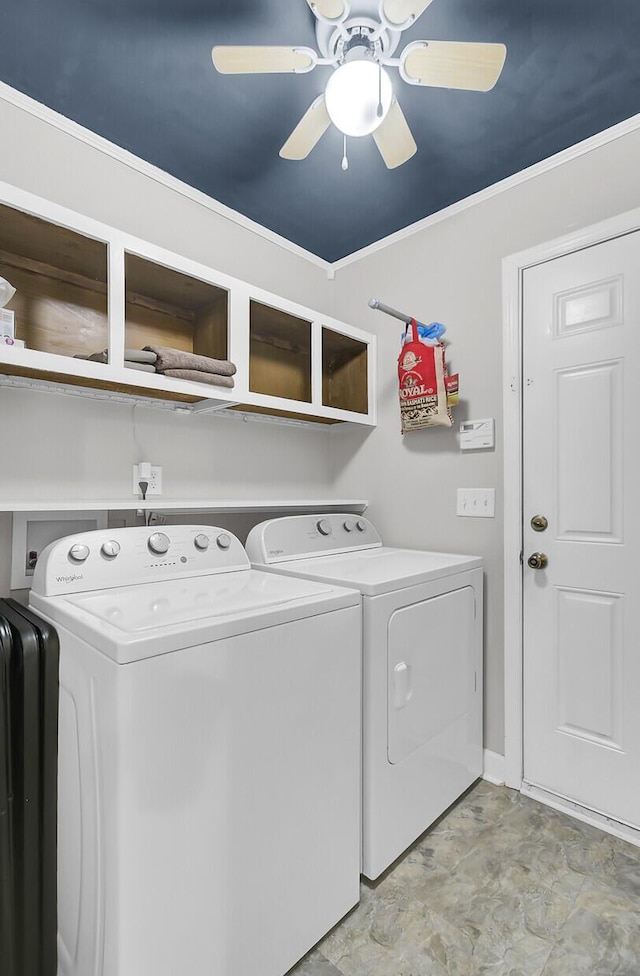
(500, 886)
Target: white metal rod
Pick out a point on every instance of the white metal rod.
(374, 303)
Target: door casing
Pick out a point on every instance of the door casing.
(512, 272)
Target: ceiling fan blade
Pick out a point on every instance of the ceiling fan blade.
(259, 60)
(308, 132)
(402, 13)
(394, 139)
(330, 10)
(451, 64)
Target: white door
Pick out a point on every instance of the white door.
(581, 348)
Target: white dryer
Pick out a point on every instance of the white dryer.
(422, 667)
(209, 802)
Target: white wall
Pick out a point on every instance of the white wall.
(451, 272)
(56, 447)
(60, 447)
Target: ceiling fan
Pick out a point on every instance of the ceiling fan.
(358, 38)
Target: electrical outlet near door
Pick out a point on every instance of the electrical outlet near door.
(476, 502)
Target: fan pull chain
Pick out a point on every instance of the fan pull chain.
(379, 109)
(345, 161)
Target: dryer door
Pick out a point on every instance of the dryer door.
(431, 670)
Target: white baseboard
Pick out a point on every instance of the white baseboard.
(493, 767)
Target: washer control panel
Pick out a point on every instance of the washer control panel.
(298, 536)
(120, 557)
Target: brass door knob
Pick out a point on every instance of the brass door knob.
(539, 523)
(537, 560)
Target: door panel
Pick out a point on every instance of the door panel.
(597, 305)
(589, 664)
(589, 508)
(581, 352)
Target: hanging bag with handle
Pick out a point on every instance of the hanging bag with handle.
(422, 375)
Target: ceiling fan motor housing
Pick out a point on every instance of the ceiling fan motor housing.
(357, 38)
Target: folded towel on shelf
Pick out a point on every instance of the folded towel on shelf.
(140, 356)
(130, 356)
(200, 376)
(170, 359)
(143, 367)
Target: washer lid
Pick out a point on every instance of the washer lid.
(129, 623)
(381, 570)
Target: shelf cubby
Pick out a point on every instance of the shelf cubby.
(344, 372)
(279, 353)
(60, 277)
(164, 307)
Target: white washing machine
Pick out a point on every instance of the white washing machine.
(422, 667)
(209, 764)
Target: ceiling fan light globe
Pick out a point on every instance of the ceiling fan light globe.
(353, 94)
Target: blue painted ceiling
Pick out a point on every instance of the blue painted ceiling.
(139, 73)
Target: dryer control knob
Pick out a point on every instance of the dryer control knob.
(348, 526)
(323, 527)
(110, 549)
(201, 542)
(223, 541)
(360, 525)
(79, 553)
(159, 543)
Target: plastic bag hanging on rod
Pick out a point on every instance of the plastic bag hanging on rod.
(422, 376)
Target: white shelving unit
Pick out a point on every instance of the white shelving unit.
(182, 506)
(82, 287)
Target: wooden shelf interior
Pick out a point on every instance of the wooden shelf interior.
(60, 279)
(344, 372)
(279, 353)
(164, 307)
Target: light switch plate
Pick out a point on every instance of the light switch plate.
(476, 502)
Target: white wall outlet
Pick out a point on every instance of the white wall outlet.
(476, 502)
(154, 479)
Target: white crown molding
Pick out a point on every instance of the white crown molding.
(559, 159)
(79, 132)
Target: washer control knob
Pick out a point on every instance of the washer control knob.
(201, 542)
(223, 541)
(348, 526)
(79, 552)
(360, 525)
(110, 549)
(159, 543)
(323, 527)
